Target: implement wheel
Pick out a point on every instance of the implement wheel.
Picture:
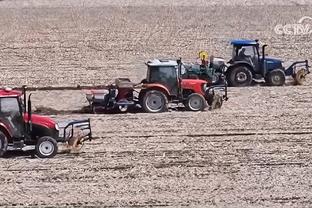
(214, 101)
(299, 77)
(217, 102)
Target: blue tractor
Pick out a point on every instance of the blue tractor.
(247, 64)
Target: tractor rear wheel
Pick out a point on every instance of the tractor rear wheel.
(239, 76)
(3, 144)
(46, 147)
(154, 101)
(299, 77)
(275, 78)
(195, 102)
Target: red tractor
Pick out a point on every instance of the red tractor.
(22, 130)
(164, 84)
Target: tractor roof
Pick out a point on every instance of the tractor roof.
(10, 93)
(158, 62)
(242, 42)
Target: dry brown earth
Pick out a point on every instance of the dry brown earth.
(255, 152)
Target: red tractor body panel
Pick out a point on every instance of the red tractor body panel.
(156, 86)
(40, 120)
(196, 85)
(10, 93)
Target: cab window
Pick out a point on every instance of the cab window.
(9, 105)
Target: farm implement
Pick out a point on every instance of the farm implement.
(164, 84)
(212, 69)
(20, 129)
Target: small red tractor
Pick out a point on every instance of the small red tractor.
(164, 84)
(22, 130)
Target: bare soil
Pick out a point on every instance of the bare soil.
(254, 152)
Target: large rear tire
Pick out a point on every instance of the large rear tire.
(239, 76)
(195, 102)
(275, 78)
(46, 147)
(3, 144)
(154, 101)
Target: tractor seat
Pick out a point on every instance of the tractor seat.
(124, 83)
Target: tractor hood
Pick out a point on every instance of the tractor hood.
(273, 60)
(273, 63)
(193, 84)
(40, 120)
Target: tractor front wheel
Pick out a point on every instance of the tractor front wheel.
(154, 101)
(3, 144)
(195, 102)
(239, 76)
(46, 147)
(275, 78)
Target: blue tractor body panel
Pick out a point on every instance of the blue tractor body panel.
(272, 63)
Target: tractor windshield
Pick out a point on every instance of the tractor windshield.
(163, 74)
(9, 105)
(244, 53)
(166, 75)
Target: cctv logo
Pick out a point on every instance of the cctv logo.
(295, 29)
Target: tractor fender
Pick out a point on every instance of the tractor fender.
(5, 131)
(154, 86)
(240, 63)
(40, 131)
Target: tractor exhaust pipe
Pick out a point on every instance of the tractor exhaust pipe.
(29, 114)
(263, 51)
(24, 87)
(263, 58)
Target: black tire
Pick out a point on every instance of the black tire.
(155, 101)
(239, 76)
(275, 78)
(195, 102)
(46, 147)
(141, 96)
(3, 144)
(97, 108)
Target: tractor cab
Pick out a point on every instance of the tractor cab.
(249, 51)
(11, 111)
(164, 72)
(246, 51)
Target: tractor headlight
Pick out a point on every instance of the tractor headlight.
(205, 86)
(57, 127)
